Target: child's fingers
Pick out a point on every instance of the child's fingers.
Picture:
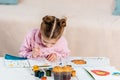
(36, 52)
(48, 57)
(51, 57)
(34, 55)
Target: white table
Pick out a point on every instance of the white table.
(26, 73)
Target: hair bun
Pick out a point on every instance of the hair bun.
(63, 22)
(48, 19)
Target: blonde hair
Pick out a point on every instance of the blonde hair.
(52, 27)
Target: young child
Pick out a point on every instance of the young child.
(46, 42)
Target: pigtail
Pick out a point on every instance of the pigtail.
(63, 22)
(48, 19)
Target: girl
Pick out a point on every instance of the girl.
(46, 42)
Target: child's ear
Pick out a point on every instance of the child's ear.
(63, 22)
(48, 19)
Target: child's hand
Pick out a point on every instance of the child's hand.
(36, 52)
(52, 57)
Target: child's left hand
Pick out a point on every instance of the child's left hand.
(36, 52)
(52, 57)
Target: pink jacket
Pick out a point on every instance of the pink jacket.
(33, 41)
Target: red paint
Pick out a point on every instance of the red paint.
(100, 72)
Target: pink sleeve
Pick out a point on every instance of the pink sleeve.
(62, 50)
(26, 48)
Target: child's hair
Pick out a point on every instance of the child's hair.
(52, 27)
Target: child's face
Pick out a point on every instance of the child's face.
(48, 42)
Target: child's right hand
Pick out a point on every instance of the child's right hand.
(36, 53)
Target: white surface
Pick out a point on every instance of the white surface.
(14, 73)
(26, 73)
(82, 74)
(18, 73)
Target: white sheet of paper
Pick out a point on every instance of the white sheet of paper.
(17, 63)
(91, 61)
(107, 77)
(38, 62)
